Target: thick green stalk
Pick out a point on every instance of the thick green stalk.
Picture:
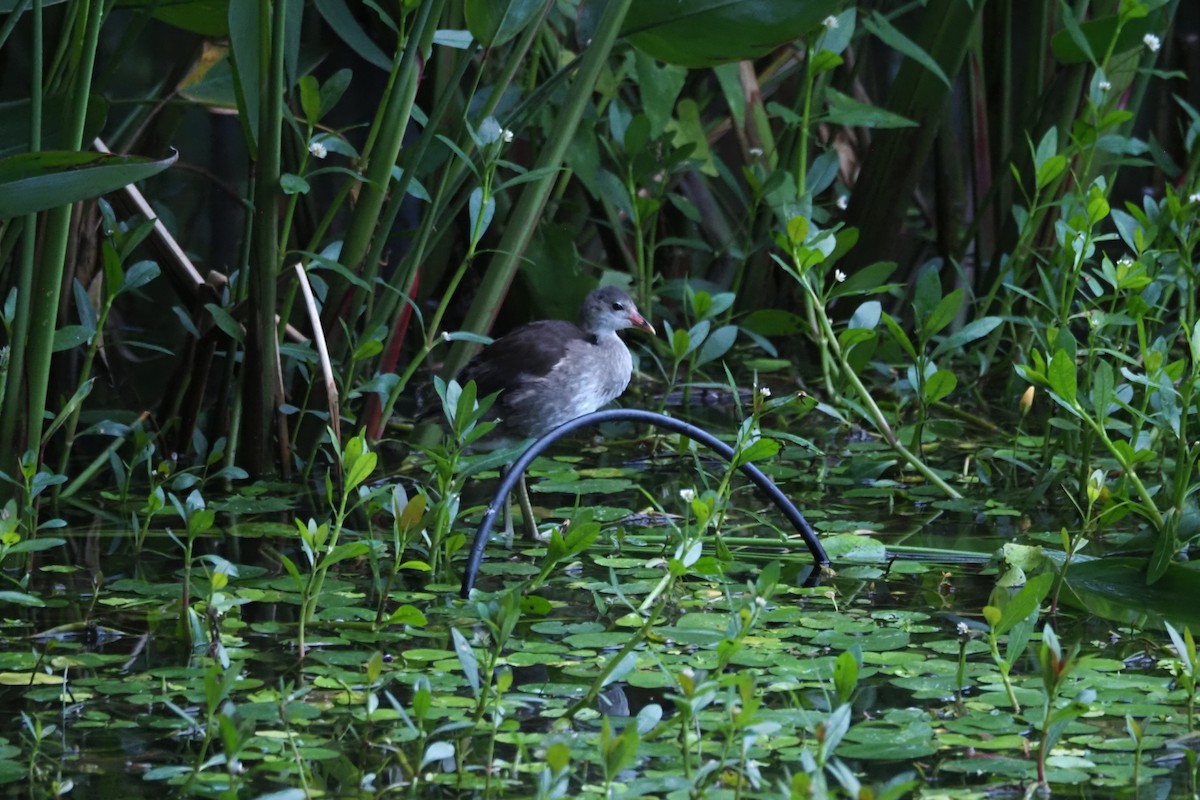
(394, 122)
(47, 283)
(20, 335)
(528, 211)
(260, 359)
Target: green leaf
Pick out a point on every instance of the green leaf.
(1103, 388)
(225, 321)
(205, 17)
(942, 315)
(717, 344)
(344, 552)
(1078, 43)
(758, 451)
(293, 184)
(1164, 553)
(845, 110)
(346, 26)
(1060, 374)
(705, 33)
(138, 276)
(310, 99)
(939, 385)
(21, 599)
(866, 316)
(878, 25)
(900, 336)
(976, 329)
(32, 182)
(845, 676)
(494, 22)
(1024, 603)
(360, 469)
(467, 659)
(869, 280)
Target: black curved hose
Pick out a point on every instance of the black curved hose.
(650, 418)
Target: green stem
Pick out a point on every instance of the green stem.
(594, 690)
(874, 412)
(47, 283)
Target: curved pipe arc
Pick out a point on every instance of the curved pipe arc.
(756, 476)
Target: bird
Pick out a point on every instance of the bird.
(551, 371)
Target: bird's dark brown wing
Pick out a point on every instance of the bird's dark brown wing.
(529, 351)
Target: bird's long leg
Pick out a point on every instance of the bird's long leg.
(527, 517)
(508, 522)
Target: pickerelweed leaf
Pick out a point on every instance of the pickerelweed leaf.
(32, 182)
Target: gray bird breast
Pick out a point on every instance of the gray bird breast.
(588, 377)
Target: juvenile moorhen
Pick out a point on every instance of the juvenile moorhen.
(552, 371)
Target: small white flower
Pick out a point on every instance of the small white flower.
(761, 602)
(1194, 197)
(765, 391)
(317, 149)
(688, 672)
(963, 630)
(687, 495)
(1125, 261)
(830, 23)
(1152, 42)
(508, 135)
(843, 202)
(446, 336)
(756, 152)
(1105, 86)
(839, 276)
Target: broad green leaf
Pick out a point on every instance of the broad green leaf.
(1078, 43)
(310, 99)
(939, 385)
(942, 315)
(976, 329)
(704, 33)
(494, 22)
(437, 751)
(878, 25)
(344, 552)
(205, 17)
(659, 87)
(1103, 385)
(21, 599)
(845, 676)
(845, 110)
(866, 316)
(225, 321)
(32, 182)
(869, 280)
(758, 451)
(1060, 374)
(346, 26)
(1024, 602)
(717, 344)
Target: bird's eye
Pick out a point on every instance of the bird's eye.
(616, 306)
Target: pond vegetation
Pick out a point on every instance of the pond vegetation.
(939, 288)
